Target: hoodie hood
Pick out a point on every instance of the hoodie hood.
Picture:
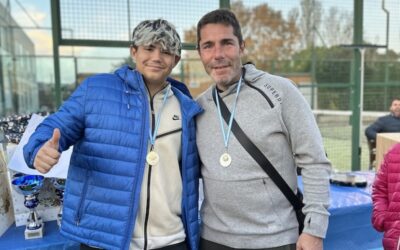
(252, 74)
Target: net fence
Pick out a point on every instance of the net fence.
(114, 20)
(298, 39)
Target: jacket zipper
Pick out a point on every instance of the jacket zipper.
(147, 214)
(146, 218)
(262, 93)
(79, 213)
(185, 142)
(185, 215)
(184, 177)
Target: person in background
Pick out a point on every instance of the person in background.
(386, 124)
(242, 207)
(133, 176)
(386, 199)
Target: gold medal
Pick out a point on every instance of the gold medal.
(152, 158)
(225, 160)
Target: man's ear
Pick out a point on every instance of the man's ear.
(242, 47)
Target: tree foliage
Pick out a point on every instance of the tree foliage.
(337, 27)
(307, 38)
(267, 34)
(310, 18)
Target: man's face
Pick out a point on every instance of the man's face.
(154, 63)
(395, 108)
(220, 53)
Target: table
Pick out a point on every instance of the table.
(350, 226)
(14, 239)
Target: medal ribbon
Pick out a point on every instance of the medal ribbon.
(227, 133)
(157, 125)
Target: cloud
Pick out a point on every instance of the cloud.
(39, 17)
(42, 37)
(43, 42)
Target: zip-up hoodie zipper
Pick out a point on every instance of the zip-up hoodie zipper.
(147, 214)
(146, 218)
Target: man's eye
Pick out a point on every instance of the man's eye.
(166, 52)
(229, 43)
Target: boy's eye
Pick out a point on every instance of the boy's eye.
(166, 52)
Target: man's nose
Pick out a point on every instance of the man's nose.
(219, 52)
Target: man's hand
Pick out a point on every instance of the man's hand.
(309, 242)
(48, 154)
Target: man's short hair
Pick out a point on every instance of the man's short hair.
(220, 16)
(159, 31)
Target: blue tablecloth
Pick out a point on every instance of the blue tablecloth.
(14, 239)
(349, 228)
(350, 221)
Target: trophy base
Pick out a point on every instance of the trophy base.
(34, 233)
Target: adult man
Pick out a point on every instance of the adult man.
(386, 124)
(243, 208)
(133, 177)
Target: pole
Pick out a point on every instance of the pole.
(361, 106)
(356, 129)
(55, 20)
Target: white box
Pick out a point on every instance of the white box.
(6, 205)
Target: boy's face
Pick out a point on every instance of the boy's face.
(154, 63)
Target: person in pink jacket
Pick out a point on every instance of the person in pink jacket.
(386, 199)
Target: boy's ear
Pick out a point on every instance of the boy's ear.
(133, 52)
(177, 59)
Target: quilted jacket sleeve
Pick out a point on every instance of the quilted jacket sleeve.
(69, 119)
(380, 197)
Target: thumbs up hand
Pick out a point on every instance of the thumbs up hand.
(48, 154)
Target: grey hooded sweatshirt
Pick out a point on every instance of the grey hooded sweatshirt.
(242, 206)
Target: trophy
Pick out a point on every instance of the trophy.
(59, 185)
(29, 186)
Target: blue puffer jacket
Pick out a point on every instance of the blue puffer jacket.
(104, 120)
